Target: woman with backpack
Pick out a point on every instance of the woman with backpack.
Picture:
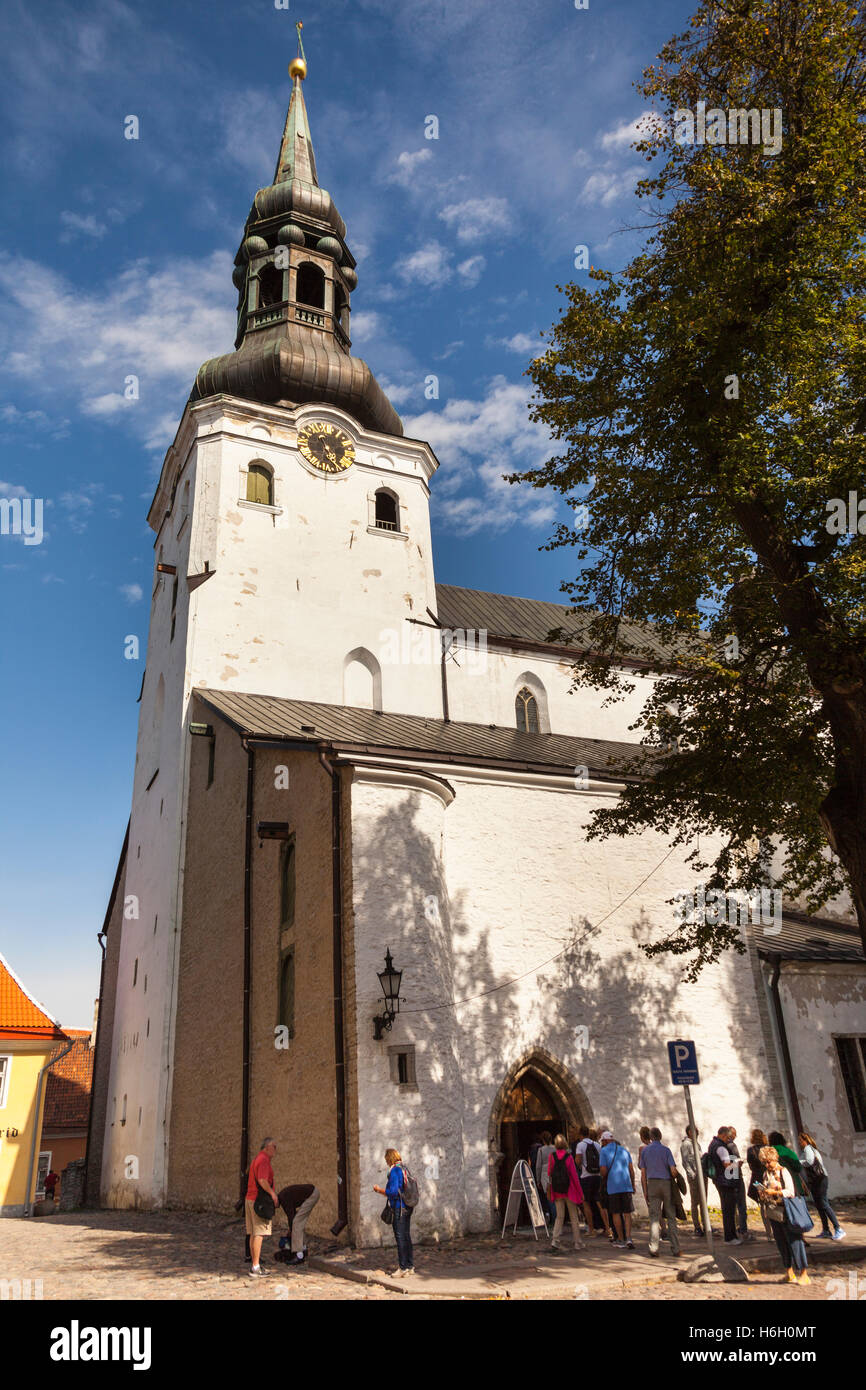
(564, 1188)
(401, 1192)
(815, 1173)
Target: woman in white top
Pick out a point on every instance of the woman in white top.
(776, 1186)
(816, 1176)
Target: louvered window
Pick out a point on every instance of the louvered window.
(260, 484)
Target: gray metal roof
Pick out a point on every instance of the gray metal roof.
(812, 939)
(358, 730)
(530, 619)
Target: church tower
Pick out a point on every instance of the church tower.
(292, 556)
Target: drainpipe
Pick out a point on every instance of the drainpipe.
(37, 1127)
(339, 1031)
(248, 931)
(776, 962)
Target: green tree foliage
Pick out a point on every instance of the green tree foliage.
(709, 405)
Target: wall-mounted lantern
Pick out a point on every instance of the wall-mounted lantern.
(389, 979)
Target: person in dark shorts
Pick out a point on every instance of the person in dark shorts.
(617, 1169)
(586, 1156)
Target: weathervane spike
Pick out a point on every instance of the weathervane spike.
(298, 65)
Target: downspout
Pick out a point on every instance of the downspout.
(248, 931)
(37, 1127)
(779, 1015)
(339, 1030)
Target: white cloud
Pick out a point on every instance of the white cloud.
(606, 186)
(133, 593)
(470, 271)
(477, 217)
(429, 265)
(521, 343)
(407, 164)
(157, 323)
(625, 135)
(86, 226)
(476, 441)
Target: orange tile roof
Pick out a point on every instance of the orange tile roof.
(20, 1014)
(67, 1092)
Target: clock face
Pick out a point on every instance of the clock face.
(326, 447)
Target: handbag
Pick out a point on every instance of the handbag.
(387, 1214)
(264, 1205)
(797, 1218)
(680, 1182)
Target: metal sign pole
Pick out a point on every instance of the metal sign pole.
(702, 1191)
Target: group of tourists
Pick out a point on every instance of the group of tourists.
(592, 1181)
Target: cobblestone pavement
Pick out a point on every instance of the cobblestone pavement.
(154, 1255)
(96, 1255)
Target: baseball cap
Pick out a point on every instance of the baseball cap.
(606, 1134)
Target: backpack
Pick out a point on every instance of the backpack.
(560, 1180)
(708, 1167)
(590, 1159)
(409, 1192)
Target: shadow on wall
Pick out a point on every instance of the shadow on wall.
(601, 1012)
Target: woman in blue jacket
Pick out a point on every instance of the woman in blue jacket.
(393, 1190)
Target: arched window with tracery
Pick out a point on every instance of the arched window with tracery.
(526, 710)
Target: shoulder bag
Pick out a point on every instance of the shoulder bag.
(264, 1205)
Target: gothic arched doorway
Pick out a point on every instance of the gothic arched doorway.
(537, 1094)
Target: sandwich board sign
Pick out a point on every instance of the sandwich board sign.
(683, 1057)
(523, 1186)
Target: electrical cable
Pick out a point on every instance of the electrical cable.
(457, 1003)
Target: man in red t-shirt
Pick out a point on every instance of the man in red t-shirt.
(261, 1175)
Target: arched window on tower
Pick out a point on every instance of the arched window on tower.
(387, 510)
(526, 710)
(311, 285)
(270, 286)
(260, 484)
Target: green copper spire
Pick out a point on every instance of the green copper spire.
(296, 159)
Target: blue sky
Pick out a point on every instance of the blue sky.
(117, 258)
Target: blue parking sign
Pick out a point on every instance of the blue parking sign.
(683, 1057)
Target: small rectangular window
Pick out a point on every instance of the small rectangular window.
(211, 758)
(401, 1061)
(5, 1067)
(852, 1064)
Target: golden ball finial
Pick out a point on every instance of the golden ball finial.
(297, 68)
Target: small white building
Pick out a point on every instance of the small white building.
(322, 776)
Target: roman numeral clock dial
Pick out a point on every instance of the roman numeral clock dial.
(326, 447)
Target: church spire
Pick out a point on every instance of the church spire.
(296, 159)
(295, 275)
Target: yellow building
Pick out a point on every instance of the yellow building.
(28, 1037)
